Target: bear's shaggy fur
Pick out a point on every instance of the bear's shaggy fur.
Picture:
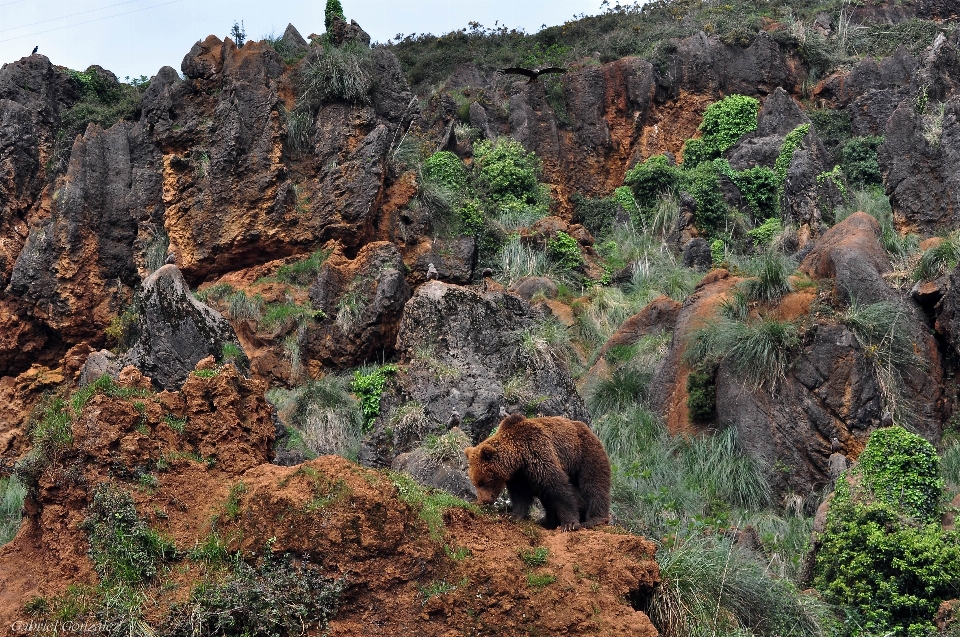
(559, 461)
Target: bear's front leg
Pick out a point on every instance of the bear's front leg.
(521, 498)
(561, 502)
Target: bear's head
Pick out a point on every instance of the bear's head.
(485, 472)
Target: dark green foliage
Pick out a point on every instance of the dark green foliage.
(446, 169)
(368, 389)
(902, 470)
(334, 73)
(760, 186)
(506, 172)
(859, 161)
(103, 101)
(124, 550)
(765, 232)
(596, 215)
(725, 122)
(834, 129)
(696, 151)
(625, 386)
(702, 394)
(701, 183)
(279, 596)
(332, 11)
(565, 250)
(884, 555)
(652, 179)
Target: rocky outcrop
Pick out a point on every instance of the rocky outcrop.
(174, 331)
(476, 355)
(363, 299)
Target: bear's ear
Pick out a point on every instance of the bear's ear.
(487, 453)
(510, 420)
(468, 452)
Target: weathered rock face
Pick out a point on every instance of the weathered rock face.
(460, 349)
(174, 331)
(833, 388)
(363, 299)
(77, 268)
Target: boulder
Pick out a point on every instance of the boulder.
(697, 255)
(174, 331)
(363, 299)
(474, 354)
(443, 467)
(528, 287)
(659, 315)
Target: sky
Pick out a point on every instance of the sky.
(138, 37)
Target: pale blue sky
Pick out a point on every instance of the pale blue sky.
(137, 37)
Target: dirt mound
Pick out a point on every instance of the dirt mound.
(195, 465)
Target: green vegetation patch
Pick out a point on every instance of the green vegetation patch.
(430, 504)
(124, 550)
(368, 388)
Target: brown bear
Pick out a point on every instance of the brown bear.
(559, 461)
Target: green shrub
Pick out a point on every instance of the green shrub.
(696, 152)
(651, 180)
(368, 389)
(859, 161)
(765, 232)
(718, 252)
(123, 549)
(726, 121)
(334, 73)
(790, 143)
(534, 557)
(446, 169)
(507, 172)
(565, 251)
(275, 597)
(702, 184)
(324, 415)
(834, 129)
(333, 10)
(759, 186)
(596, 215)
(883, 554)
(902, 470)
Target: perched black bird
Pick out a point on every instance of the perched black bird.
(454, 419)
(35, 50)
(171, 258)
(534, 73)
(835, 446)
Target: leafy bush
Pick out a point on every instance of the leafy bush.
(902, 470)
(596, 215)
(368, 389)
(278, 596)
(565, 250)
(758, 185)
(333, 10)
(859, 161)
(123, 549)
(790, 143)
(507, 172)
(725, 122)
(446, 169)
(651, 180)
(336, 73)
(766, 231)
(883, 553)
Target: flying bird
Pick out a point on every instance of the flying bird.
(35, 50)
(533, 74)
